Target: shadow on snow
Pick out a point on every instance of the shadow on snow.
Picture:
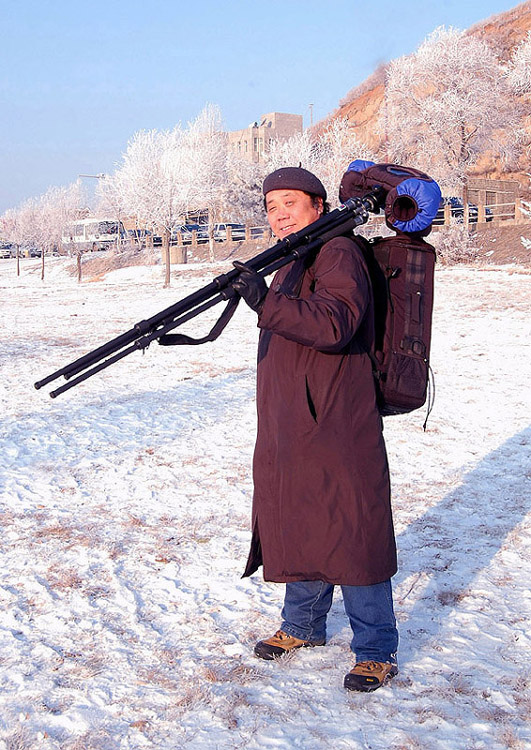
(458, 538)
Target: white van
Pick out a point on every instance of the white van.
(92, 234)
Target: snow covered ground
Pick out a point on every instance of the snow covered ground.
(125, 526)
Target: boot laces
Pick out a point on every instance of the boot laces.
(368, 667)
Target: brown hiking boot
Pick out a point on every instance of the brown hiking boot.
(367, 676)
(280, 643)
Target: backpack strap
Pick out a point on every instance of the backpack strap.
(413, 324)
(175, 339)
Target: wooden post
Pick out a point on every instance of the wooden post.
(519, 216)
(166, 250)
(482, 200)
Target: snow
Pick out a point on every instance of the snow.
(125, 528)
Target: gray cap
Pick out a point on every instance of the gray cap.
(294, 178)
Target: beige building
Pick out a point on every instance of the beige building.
(254, 141)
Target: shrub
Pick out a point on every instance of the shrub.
(455, 244)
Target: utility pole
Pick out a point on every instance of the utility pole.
(100, 176)
(103, 176)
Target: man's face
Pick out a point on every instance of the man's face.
(290, 210)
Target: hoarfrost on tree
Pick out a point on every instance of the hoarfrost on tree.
(448, 103)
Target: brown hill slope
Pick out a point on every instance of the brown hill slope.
(362, 104)
(505, 31)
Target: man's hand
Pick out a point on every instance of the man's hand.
(250, 285)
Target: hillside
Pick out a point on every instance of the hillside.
(362, 104)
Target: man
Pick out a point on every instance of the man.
(321, 506)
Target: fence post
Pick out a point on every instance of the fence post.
(482, 200)
(519, 216)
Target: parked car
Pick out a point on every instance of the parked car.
(201, 233)
(457, 211)
(237, 231)
(138, 235)
(257, 232)
(187, 230)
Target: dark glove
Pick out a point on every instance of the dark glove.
(250, 285)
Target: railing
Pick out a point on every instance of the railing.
(474, 214)
(510, 212)
(506, 213)
(229, 234)
(195, 243)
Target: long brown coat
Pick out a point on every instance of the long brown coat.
(321, 507)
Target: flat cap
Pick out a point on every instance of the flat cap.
(294, 178)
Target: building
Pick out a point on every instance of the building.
(254, 141)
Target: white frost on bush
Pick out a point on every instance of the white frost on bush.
(455, 244)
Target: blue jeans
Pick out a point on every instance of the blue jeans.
(369, 610)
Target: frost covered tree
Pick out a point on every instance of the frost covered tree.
(56, 208)
(519, 70)
(154, 182)
(327, 156)
(242, 196)
(336, 147)
(446, 104)
(20, 225)
(297, 150)
(109, 198)
(205, 146)
(10, 226)
(39, 221)
(166, 175)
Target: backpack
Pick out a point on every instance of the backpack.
(401, 270)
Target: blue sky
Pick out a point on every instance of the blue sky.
(77, 79)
